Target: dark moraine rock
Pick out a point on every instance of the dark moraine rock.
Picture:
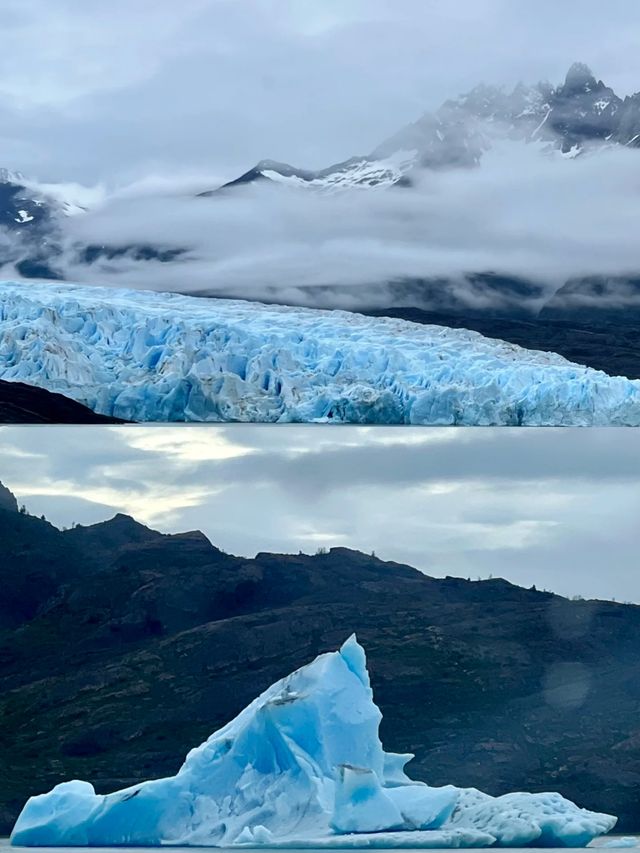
(26, 404)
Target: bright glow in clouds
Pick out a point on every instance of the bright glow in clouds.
(166, 505)
(177, 443)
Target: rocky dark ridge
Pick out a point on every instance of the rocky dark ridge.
(29, 226)
(121, 648)
(20, 209)
(8, 502)
(32, 228)
(26, 404)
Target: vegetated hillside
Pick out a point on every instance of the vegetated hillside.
(121, 648)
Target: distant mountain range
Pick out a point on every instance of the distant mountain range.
(593, 320)
(121, 648)
(582, 112)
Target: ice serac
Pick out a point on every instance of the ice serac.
(146, 356)
(302, 766)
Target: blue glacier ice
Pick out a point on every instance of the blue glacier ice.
(303, 766)
(146, 356)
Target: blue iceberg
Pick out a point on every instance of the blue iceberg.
(145, 356)
(303, 766)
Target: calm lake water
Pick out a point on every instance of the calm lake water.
(5, 847)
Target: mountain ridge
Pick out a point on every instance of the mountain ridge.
(580, 111)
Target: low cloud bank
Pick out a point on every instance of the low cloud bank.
(524, 213)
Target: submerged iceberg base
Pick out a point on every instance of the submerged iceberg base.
(303, 766)
(435, 839)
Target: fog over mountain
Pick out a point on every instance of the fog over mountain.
(534, 182)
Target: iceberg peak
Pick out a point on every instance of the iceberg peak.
(302, 766)
(356, 659)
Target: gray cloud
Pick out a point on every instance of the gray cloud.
(557, 508)
(111, 92)
(525, 212)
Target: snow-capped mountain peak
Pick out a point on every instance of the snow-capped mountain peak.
(580, 79)
(581, 111)
(357, 172)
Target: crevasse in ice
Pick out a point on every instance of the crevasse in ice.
(303, 766)
(146, 356)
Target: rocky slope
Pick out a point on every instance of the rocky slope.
(26, 404)
(29, 228)
(121, 648)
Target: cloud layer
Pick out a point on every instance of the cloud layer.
(526, 212)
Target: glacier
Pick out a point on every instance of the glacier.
(303, 766)
(149, 356)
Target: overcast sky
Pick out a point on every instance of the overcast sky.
(93, 91)
(558, 508)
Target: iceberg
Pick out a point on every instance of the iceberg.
(303, 766)
(147, 356)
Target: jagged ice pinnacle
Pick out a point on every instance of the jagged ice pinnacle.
(302, 766)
